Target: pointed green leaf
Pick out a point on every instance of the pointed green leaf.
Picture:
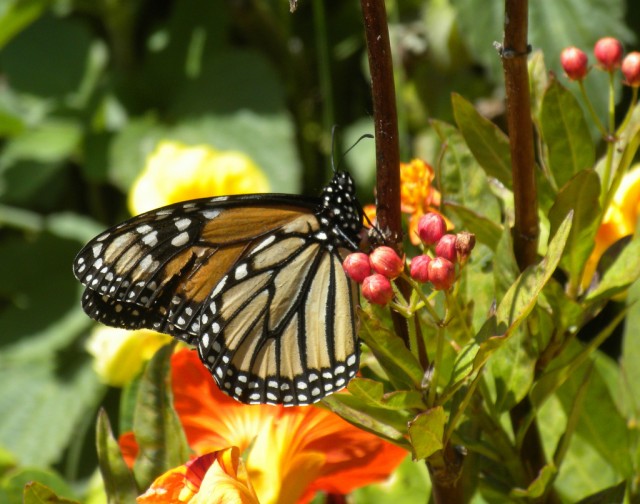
(14, 485)
(156, 425)
(426, 431)
(119, 484)
(608, 495)
(387, 424)
(372, 392)
(390, 351)
(622, 273)
(581, 195)
(489, 145)
(37, 493)
(539, 485)
(522, 296)
(463, 182)
(566, 134)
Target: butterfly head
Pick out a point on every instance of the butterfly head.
(341, 207)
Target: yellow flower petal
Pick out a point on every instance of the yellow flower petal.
(119, 354)
(176, 172)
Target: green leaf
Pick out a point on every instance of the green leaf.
(426, 431)
(45, 403)
(512, 369)
(620, 275)
(489, 145)
(613, 494)
(579, 195)
(566, 134)
(522, 296)
(48, 59)
(391, 352)
(385, 423)
(161, 439)
(486, 231)
(119, 484)
(13, 483)
(539, 485)
(39, 317)
(37, 493)
(372, 391)
(538, 80)
(462, 181)
(50, 141)
(16, 15)
(631, 347)
(567, 363)
(601, 425)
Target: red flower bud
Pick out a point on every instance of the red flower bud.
(442, 273)
(631, 68)
(608, 52)
(446, 248)
(357, 266)
(377, 289)
(465, 242)
(420, 268)
(385, 261)
(574, 62)
(431, 227)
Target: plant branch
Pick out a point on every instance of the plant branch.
(526, 229)
(514, 61)
(444, 475)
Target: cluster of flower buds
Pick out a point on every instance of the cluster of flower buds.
(449, 249)
(608, 52)
(376, 270)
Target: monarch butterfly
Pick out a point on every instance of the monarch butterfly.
(255, 282)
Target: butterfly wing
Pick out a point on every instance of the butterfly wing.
(253, 281)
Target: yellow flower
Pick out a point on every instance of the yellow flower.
(218, 477)
(619, 221)
(119, 354)
(177, 172)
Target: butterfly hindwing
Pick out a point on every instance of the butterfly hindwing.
(255, 282)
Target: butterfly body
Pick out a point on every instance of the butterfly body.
(254, 282)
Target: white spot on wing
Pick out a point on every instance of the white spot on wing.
(180, 240)
(241, 272)
(183, 224)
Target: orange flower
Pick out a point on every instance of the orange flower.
(218, 477)
(290, 453)
(417, 195)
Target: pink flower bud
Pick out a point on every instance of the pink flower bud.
(431, 227)
(442, 273)
(420, 268)
(608, 52)
(357, 266)
(377, 289)
(631, 69)
(385, 261)
(446, 248)
(574, 62)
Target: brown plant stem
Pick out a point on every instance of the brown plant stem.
(526, 229)
(514, 59)
(444, 480)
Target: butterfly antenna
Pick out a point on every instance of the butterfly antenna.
(333, 147)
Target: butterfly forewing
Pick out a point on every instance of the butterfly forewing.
(255, 282)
